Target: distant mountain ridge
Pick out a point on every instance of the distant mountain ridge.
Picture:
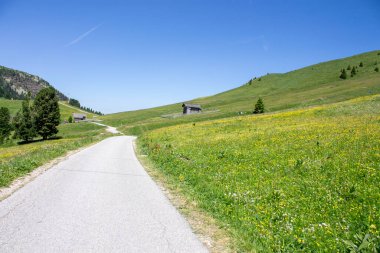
(15, 84)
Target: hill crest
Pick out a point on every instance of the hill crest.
(15, 84)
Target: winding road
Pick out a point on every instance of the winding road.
(97, 200)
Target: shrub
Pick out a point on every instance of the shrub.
(361, 64)
(349, 67)
(70, 119)
(377, 69)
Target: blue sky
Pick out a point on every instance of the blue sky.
(125, 55)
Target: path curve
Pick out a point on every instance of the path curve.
(110, 129)
(98, 200)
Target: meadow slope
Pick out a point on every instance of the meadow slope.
(304, 180)
(312, 85)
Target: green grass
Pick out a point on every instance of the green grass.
(313, 85)
(303, 180)
(13, 105)
(18, 160)
(67, 111)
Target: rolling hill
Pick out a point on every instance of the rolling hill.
(312, 85)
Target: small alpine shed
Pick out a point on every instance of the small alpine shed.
(79, 117)
(191, 108)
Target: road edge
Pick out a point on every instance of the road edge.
(202, 224)
(20, 182)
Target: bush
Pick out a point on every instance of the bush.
(70, 119)
(361, 64)
(377, 69)
(349, 67)
(259, 106)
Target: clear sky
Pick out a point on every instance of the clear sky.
(123, 55)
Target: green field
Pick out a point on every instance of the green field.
(304, 180)
(17, 160)
(313, 85)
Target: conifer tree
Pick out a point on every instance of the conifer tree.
(47, 115)
(259, 106)
(5, 125)
(343, 74)
(24, 122)
(353, 71)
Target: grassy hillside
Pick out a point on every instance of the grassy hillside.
(66, 110)
(303, 180)
(313, 85)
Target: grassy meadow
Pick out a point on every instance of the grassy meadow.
(313, 85)
(17, 160)
(301, 180)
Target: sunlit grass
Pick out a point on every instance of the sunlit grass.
(301, 180)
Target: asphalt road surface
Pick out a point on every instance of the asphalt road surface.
(97, 200)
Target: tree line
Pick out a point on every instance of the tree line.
(76, 103)
(38, 118)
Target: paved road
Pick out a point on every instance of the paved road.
(98, 200)
(110, 129)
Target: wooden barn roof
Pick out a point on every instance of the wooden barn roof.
(191, 105)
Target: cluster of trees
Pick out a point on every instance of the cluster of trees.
(87, 109)
(353, 71)
(74, 102)
(39, 118)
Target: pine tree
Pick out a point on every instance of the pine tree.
(47, 112)
(361, 64)
(5, 125)
(349, 67)
(343, 74)
(377, 69)
(70, 119)
(24, 122)
(259, 106)
(353, 71)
